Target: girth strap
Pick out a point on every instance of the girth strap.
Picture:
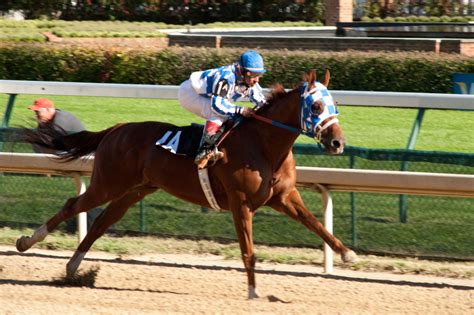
(207, 189)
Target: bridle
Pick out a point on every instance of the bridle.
(311, 123)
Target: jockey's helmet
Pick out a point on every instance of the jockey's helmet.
(251, 61)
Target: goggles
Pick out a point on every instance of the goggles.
(253, 74)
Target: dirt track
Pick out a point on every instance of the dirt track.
(209, 284)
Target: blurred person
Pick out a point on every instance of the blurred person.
(210, 94)
(46, 113)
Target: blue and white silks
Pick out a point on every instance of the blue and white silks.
(206, 83)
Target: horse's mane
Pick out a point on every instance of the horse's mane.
(277, 92)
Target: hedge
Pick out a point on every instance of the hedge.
(171, 11)
(398, 71)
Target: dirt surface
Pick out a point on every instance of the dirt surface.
(168, 283)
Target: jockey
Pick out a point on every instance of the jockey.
(210, 94)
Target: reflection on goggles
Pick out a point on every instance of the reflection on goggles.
(253, 74)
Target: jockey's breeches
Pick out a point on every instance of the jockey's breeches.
(197, 104)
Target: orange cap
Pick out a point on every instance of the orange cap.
(41, 103)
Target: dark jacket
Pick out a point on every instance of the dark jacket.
(64, 120)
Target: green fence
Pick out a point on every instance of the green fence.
(434, 226)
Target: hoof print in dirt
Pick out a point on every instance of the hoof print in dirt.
(272, 298)
(81, 279)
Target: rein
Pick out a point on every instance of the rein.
(264, 119)
(311, 125)
(319, 128)
(277, 124)
(314, 129)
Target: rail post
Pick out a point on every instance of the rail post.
(415, 130)
(328, 223)
(7, 115)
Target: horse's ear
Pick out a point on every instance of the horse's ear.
(327, 77)
(310, 77)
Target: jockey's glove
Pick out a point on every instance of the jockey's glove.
(248, 112)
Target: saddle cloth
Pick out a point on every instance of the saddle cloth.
(182, 140)
(185, 141)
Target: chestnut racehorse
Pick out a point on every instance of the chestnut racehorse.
(258, 169)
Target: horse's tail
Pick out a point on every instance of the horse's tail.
(66, 147)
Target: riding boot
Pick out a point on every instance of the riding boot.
(208, 151)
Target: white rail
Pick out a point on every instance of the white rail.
(89, 89)
(357, 98)
(323, 179)
(392, 182)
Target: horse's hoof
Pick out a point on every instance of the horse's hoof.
(21, 244)
(349, 257)
(253, 293)
(70, 274)
(70, 270)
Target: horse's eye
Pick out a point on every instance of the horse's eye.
(315, 108)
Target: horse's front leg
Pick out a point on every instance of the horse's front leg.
(291, 204)
(243, 226)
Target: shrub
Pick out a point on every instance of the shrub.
(421, 19)
(400, 19)
(377, 71)
(459, 19)
(445, 18)
(433, 19)
(32, 62)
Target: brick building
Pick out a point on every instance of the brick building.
(338, 11)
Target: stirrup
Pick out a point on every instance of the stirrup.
(208, 158)
(216, 156)
(202, 159)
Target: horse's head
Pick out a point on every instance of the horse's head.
(318, 115)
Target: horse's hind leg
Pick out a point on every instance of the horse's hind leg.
(113, 213)
(292, 205)
(73, 206)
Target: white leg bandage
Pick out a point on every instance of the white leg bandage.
(74, 263)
